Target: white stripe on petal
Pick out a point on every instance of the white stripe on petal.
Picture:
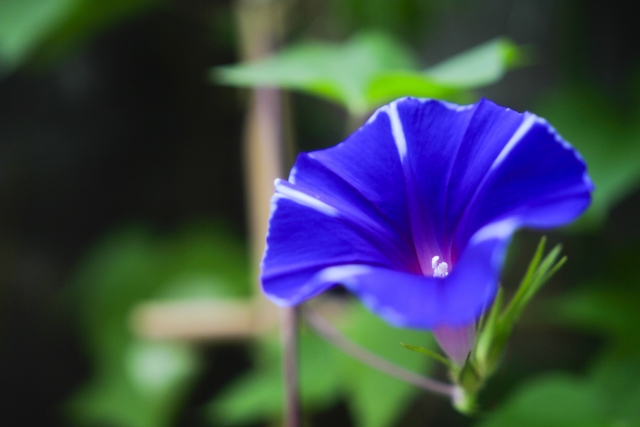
(304, 199)
(396, 130)
(496, 230)
(342, 272)
(525, 126)
(292, 174)
(374, 116)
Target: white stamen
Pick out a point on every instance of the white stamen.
(439, 270)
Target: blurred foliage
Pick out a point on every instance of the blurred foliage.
(138, 383)
(374, 398)
(372, 69)
(24, 24)
(49, 28)
(609, 142)
(609, 394)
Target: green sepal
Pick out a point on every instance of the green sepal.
(485, 351)
(538, 273)
(469, 378)
(468, 382)
(432, 354)
(493, 337)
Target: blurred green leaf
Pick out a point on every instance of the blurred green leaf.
(88, 19)
(372, 69)
(452, 78)
(608, 396)
(385, 87)
(558, 401)
(258, 394)
(138, 383)
(604, 310)
(326, 375)
(609, 145)
(480, 66)
(615, 378)
(50, 28)
(340, 73)
(24, 24)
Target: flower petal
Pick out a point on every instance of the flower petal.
(369, 162)
(414, 301)
(433, 131)
(314, 178)
(537, 179)
(309, 232)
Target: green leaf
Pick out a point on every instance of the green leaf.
(24, 24)
(370, 70)
(451, 79)
(480, 66)
(609, 144)
(326, 374)
(558, 401)
(340, 73)
(614, 378)
(386, 87)
(608, 396)
(48, 29)
(604, 308)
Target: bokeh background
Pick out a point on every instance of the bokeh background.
(122, 188)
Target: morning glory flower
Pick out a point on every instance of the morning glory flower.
(414, 211)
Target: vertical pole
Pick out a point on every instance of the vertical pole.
(289, 327)
(260, 24)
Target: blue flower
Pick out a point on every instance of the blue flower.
(414, 211)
